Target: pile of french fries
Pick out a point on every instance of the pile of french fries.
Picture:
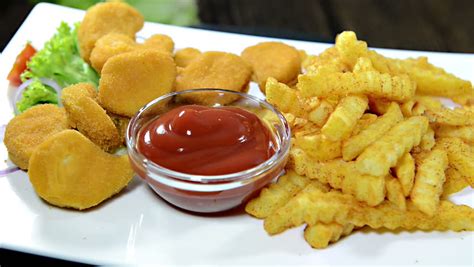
(372, 146)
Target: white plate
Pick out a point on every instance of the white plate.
(138, 227)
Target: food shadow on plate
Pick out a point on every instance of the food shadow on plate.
(234, 212)
(20, 184)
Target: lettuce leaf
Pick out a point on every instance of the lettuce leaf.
(37, 93)
(60, 60)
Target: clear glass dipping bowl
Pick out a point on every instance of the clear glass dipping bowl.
(209, 193)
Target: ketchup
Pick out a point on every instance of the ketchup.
(203, 140)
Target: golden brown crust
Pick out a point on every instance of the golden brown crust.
(214, 70)
(131, 80)
(273, 59)
(29, 129)
(86, 115)
(104, 18)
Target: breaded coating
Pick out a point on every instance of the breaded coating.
(131, 80)
(273, 59)
(29, 129)
(214, 70)
(104, 18)
(108, 46)
(86, 115)
(161, 42)
(185, 56)
(114, 44)
(68, 170)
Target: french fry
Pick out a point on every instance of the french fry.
(329, 57)
(321, 234)
(344, 118)
(350, 49)
(395, 192)
(460, 157)
(435, 81)
(295, 122)
(314, 206)
(325, 81)
(427, 141)
(455, 182)
(365, 188)
(466, 133)
(331, 172)
(276, 195)
(384, 153)
(364, 122)
(405, 172)
(283, 97)
(363, 64)
(429, 182)
(456, 117)
(356, 144)
(430, 80)
(320, 114)
(318, 146)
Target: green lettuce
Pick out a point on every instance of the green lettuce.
(37, 93)
(60, 60)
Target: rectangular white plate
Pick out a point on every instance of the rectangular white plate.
(138, 227)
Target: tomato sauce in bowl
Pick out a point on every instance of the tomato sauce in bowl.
(208, 158)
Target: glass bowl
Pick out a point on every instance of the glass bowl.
(209, 193)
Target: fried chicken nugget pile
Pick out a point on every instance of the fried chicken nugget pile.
(113, 44)
(69, 170)
(29, 129)
(105, 18)
(372, 146)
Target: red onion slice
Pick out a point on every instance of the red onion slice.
(45, 81)
(8, 171)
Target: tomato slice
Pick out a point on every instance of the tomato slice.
(20, 64)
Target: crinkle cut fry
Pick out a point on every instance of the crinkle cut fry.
(340, 174)
(283, 97)
(455, 117)
(276, 195)
(356, 144)
(383, 154)
(344, 118)
(460, 157)
(429, 181)
(312, 207)
(321, 234)
(324, 82)
(330, 172)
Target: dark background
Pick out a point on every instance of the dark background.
(434, 25)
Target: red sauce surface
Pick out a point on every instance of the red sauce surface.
(206, 140)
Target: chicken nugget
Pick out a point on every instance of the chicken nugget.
(273, 59)
(131, 80)
(86, 115)
(161, 42)
(185, 56)
(214, 70)
(29, 129)
(68, 170)
(104, 18)
(110, 45)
